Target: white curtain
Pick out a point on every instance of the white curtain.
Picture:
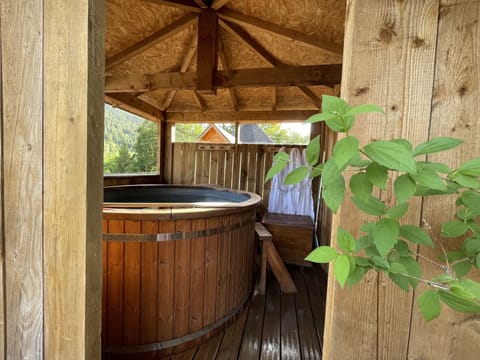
(291, 199)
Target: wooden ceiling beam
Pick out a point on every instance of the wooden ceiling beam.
(189, 5)
(217, 4)
(199, 100)
(309, 75)
(151, 40)
(207, 50)
(240, 116)
(201, 3)
(134, 105)
(187, 60)
(243, 19)
(223, 61)
(250, 42)
(274, 98)
(311, 96)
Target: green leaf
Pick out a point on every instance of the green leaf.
(312, 153)
(341, 269)
(391, 155)
(415, 235)
(322, 254)
(380, 262)
(397, 268)
(370, 205)
(453, 229)
(280, 161)
(397, 212)
(413, 269)
(401, 281)
(471, 199)
(363, 242)
(433, 166)
(339, 124)
(477, 261)
(385, 234)
(377, 175)
(367, 227)
(320, 117)
(405, 143)
(334, 105)
(462, 268)
(429, 303)
(458, 302)
(361, 261)
(465, 180)
(404, 187)
(357, 161)
(471, 246)
(471, 286)
(333, 194)
(344, 150)
(402, 247)
(471, 167)
(436, 145)
(430, 179)
(363, 109)
(297, 175)
(330, 172)
(345, 240)
(356, 275)
(360, 185)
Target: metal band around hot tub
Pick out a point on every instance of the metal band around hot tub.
(130, 349)
(174, 236)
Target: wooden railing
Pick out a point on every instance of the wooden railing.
(239, 167)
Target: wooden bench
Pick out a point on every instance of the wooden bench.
(270, 255)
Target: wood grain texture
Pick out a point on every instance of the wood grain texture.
(252, 339)
(454, 113)
(22, 174)
(211, 273)
(290, 346)
(270, 347)
(73, 146)
(402, 47)
(197, 280)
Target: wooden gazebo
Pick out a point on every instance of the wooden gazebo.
(177, 61)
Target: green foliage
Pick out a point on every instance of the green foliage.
(386, 243)
(146, 147)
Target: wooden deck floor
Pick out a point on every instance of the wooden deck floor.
(274, 325)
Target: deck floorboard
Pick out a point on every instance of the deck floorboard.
(274, 325)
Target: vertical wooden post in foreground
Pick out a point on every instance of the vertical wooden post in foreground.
(52, 64)
(420, 61)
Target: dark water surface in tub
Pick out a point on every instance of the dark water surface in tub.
(164, 194)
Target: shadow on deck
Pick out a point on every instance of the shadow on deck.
(274, 325)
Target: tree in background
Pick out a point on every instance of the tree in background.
(122, 163)
(188, 132)
(145, 148)
(280, 135)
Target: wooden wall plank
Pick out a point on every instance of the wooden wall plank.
(73, 147)
(115, 285)
(455, 113)
(197, 280)
(23, 173)
(148, 284)
(131, 283)
(400, 39)
(166, 278)
(181, 311)
(222, 276)
(211, 271)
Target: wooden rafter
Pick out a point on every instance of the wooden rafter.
(246, 39)
(241, 116)
(134, 105)
(223, 60)
(243, 19)
(201, 3)
(187, 60)
(151, 40)
(189, 5)
(310, 95)
(274, 98)
(309, 75)
(217, 4)
(199, 100)
(207, 50)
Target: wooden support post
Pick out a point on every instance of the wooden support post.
(52, 147)
(207, 51)
(271, 256)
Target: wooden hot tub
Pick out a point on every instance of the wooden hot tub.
(176, 269)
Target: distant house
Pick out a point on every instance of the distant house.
(247, 134)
